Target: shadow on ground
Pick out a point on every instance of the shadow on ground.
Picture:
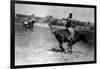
(60, 51)
(56, 50)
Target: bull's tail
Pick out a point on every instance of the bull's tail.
(84, 38)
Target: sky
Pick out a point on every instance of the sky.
(79, 13)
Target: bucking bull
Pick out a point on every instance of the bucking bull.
(62, 37)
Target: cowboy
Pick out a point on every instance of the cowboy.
(29, 20)
(69, 28)
(26, 22)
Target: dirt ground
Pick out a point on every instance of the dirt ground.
(41, 47)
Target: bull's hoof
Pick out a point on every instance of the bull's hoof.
(65, 52)
(69, 52)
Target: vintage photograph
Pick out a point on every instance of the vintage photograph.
(47, 34)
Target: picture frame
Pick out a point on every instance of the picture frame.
(13, 33)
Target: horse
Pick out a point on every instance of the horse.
(62, 37)
(28, 25)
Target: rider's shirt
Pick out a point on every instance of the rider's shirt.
(68, 22)
(26, 22)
